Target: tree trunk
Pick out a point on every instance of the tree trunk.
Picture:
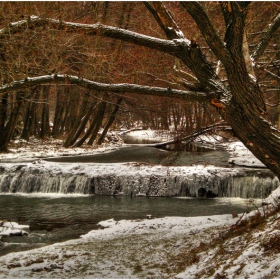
(69, 140)
(57, 123)
(94, 126)
(81, 141)
(278, 91)
(254, 131)
(110, 122)
(98, 121)
(45, 122)
(30, 115)
(83, 123)
(3, 113)
(9, 128)
(71, 114)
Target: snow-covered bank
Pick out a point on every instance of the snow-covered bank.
(170, 247)
(8, 228)
(157, 248)
(124, 249)
(35, 149)
(132, 178)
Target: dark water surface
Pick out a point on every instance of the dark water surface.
(59, 218)
(152, 155)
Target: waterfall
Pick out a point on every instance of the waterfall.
(222, 182)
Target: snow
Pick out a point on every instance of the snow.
(274, 197)
(8, 228)
(174, 224)
(83, 256)
(128, 169)
(36, 149)
(240, 155)
(170, 247)
(149, 248)
(159, 135)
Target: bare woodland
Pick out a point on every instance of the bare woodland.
(72, 69)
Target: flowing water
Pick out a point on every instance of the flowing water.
(193, 154)
(56, 218)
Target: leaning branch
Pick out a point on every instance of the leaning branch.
(272, 74)
(207, 29)
(97, 29)
(114, 88)
(273, 27)
(165, 20)
(181, 48)
(215, 127)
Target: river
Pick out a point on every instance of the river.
(193, 154)
(57, 218)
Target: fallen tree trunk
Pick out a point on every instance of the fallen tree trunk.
(211, 128)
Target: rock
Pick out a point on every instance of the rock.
(37, 269)
(265, 203)
(13, 265)
(55, 266)
(234, 214)
(141, 194)
(150, 217)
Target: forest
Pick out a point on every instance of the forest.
(75, 70)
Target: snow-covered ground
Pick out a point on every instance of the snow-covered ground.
(124, 249)
(8, 228)
(170, 247)
(36, 149)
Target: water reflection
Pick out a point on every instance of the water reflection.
(153, 155)
(60, 218)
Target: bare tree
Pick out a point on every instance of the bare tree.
(238, 97)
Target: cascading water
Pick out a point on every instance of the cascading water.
(142, 181)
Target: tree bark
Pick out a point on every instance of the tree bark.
(83, 123)
(58, 117)
(30, 115)
(109, 122)
(115, 88)
(69, 140)
(45, 122)
(9, 128)
(98, 121)
(94, 126)
(3, 112)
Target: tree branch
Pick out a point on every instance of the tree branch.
(188, 51)
(207, 29)
(234, 14)
(181, 48)
(91, 29)
(115, 88)
(273, 27)
(165, 20)
(272, 74)
(221, 125)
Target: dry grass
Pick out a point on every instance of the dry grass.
(228, 244)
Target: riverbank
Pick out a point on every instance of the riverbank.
(129, 170)
(124, 249)
(22, 150)
(171, 247)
